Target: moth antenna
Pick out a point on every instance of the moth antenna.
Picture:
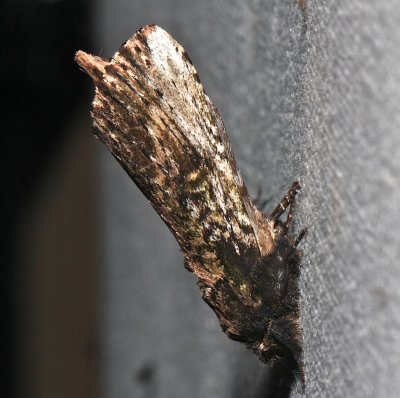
(287, 200)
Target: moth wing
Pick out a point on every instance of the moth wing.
(152, 113)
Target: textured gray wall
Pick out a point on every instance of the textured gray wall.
(313, 96)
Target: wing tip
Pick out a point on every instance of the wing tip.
(91, 64)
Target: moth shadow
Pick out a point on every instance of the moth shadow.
(280, 382)
(272, 382)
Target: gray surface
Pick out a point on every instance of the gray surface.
(318, 101)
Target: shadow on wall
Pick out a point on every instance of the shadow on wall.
(262, 381)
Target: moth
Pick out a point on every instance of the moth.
(151, 112)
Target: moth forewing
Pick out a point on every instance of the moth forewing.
(152, 113)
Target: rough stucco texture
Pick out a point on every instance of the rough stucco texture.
(313, 96)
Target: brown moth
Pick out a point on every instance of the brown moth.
(152, 113)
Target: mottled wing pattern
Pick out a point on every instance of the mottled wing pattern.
(151, 111)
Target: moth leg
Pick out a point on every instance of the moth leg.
(289, 219)
(300, 236)
(287, 200)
